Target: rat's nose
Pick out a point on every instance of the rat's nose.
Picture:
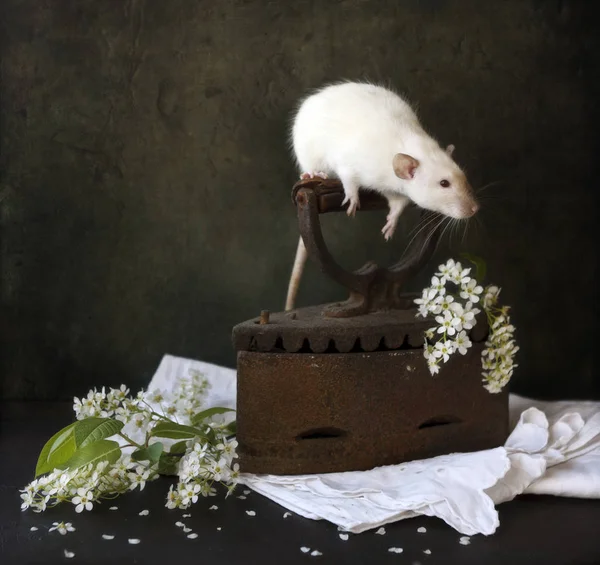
(474, 208)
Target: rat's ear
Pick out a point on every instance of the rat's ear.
(450, 149)
(405, 166)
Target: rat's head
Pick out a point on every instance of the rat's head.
(437, 183)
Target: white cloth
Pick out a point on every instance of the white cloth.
(554, 448)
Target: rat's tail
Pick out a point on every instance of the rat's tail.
(297, 270)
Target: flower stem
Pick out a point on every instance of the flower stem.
(126, 438)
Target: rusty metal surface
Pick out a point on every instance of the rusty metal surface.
(306, 329)
(371, 287)
(320, 413)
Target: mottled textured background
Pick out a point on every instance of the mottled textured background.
(145, 175)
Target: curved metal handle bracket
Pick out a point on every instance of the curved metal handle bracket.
(371, 287)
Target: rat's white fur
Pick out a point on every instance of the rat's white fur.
(352, 131)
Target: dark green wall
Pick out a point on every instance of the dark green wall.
(146, 180)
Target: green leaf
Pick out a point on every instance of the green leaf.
(58, 449)
(231, 427)
(210, 435)
(151, 453)
(480, 266)
(101, 450)
(175, 431)
(167, 465)
(178, 447)
(90, 430)
(198, 418)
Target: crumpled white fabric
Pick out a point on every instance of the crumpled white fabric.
(554, 448)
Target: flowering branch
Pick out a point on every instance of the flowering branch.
(455, 314)
(84, 463)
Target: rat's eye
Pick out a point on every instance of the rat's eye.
(444, 183)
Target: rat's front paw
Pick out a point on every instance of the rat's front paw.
(312, 175)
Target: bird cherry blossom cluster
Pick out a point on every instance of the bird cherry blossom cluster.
(199, 468)
(119, 442)
(455, 312)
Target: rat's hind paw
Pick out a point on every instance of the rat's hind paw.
(353, 206)
(389, 229)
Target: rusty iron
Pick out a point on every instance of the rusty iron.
(307, 330)
(342, 387)
(324, 413)
(371, 287)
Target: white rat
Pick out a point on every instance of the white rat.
(369, 137)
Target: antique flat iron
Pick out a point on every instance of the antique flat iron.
(345, 386)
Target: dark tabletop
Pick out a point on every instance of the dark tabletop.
(533, 529)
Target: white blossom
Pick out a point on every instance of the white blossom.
(189, 493)
(42, 504)
(462, 343)
(62, 528)
(447, 270)
(27, 498)
(471, 291)
(438, 285)
(428, 349)
(433, 365)
(455, 314)
(139, 477)
(443, 349)
(490, 297)
(83, 500)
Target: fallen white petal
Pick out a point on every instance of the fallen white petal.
(133, 541)
(465, 540)
(344, 536)
(287, 514)
(380, 531)
(214, 507)
(186, 516)
(33, 529)
(107, 536)
(114, 508)
(305, 549)
(242, 497)
(144, 513)
(315, 553)
(250, 512)
(421, 530)
(179, 524)
(395, 550)
(247, 492)
(427, 551)
(219, 528)
(69, 554)
(192, 536)
(186, 530)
